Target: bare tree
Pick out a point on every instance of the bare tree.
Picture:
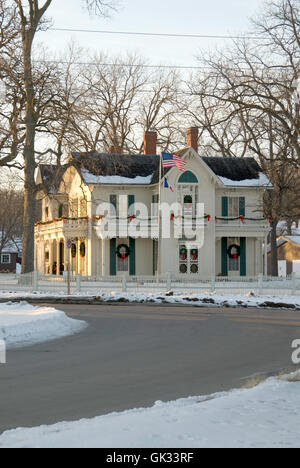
(11, 209)
(8, 25)
(102, 106)
(246, 107)
(31, 17)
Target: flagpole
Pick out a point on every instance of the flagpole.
(159, 220)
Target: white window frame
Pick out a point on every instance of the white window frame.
(233, 207)
(189, 261)
(6, 255)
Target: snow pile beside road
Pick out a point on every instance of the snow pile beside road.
(205, 299)
(265, 416)
(22, 324)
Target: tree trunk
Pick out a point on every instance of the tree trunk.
(289, 227)
(29, 159)
(274, 256)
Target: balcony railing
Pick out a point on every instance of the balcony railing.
(242, 222)
(62, 224)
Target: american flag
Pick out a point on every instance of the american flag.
(172, 160)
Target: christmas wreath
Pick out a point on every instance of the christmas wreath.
(234, 251)
(194, 254)
(123, 251)
(82, 250)
(183, 253)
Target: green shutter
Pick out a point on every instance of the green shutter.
(243, 256)
(132, 269)
(131, 201)
(242, 206)
(224, 257)
(225, 206)
(113, 202)
(113, 257)
(154, 257)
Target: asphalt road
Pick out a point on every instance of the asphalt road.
(132, 355)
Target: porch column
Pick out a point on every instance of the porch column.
(266, 256)
(66, 260)
(58, 257)
(89, 248)
(103, 257)
(79, 272)
(51, 256)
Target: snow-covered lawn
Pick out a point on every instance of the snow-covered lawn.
(22, 324)
(205, 299)
(265, 416)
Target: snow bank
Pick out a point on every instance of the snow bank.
(205, 299)
(22, 324)
(265, 416)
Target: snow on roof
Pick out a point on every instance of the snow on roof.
(293, 239)
(282, 228)
(13, 246)
(262, 181)
(90, 178)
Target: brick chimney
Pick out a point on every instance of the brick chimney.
(115, 150)
(150, 142)
(192, 135)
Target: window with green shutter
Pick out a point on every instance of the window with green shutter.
(131, 202)
(242, 206)
(113, 257)
(113, 202)
(243, 259)
(225, 206)
(132, 266)
(224, 257)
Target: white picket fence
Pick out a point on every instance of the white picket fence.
(36, 283)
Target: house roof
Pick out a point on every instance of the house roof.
(13, 246)
(285, 239)
(117, 168)
(51, 176)
(237, 171)
(293, 239)
(122, 169)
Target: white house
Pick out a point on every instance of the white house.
(127, 238)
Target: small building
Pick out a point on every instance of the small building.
(288, 252)
(11, 257)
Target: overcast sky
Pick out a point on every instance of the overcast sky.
(208, 17)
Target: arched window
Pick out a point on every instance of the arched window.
(188, 178)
